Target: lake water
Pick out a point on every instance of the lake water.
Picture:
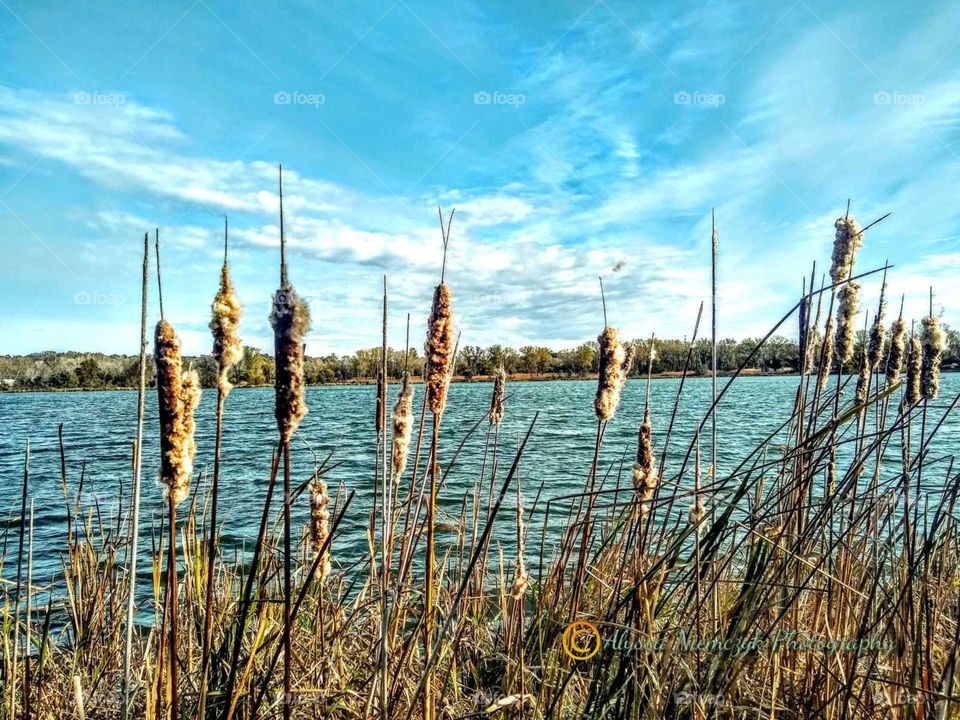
(99, 428)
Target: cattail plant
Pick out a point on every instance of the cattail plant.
(320, 525)
(440, 350)
(290, 318)
(644, 475)
(614, 365)
(227, 352)
(521, 576)
(877, 339)
(176, 448)
(849, 238)
(898, 350)
(178, 395)
(497, 400)
(914, 364)
(932, 341)
(402, 422)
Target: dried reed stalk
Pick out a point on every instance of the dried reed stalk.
(227, 351)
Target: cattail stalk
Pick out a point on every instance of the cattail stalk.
(440, 350)
(178, 395)
(135, 499)
(227, 351)
(290, 318)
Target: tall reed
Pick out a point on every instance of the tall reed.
(290, 319)
(439, 350)
(226, 311)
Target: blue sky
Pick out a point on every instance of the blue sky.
(572, 137)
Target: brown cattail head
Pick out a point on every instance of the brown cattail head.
(610, 379)
(224, 325)
(178, 394)
(402, 420)
(826, 356)
(644, 475)
(320, 525)
(497, 401)
(848, 298)
(290, 318)
(898, 336)
(439, 348)
(914, 361)
(932, 340)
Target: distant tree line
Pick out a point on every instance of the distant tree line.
(76, 370)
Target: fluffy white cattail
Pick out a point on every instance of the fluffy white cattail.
(898, 351)
(877, 339)
(612, 375)
(402, 422)
(224, 325)
(932, 339)
(914, 364)
(320, 525)
(847, 241)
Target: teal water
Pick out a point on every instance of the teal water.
(99, 427)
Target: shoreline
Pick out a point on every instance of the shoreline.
(516, 377)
